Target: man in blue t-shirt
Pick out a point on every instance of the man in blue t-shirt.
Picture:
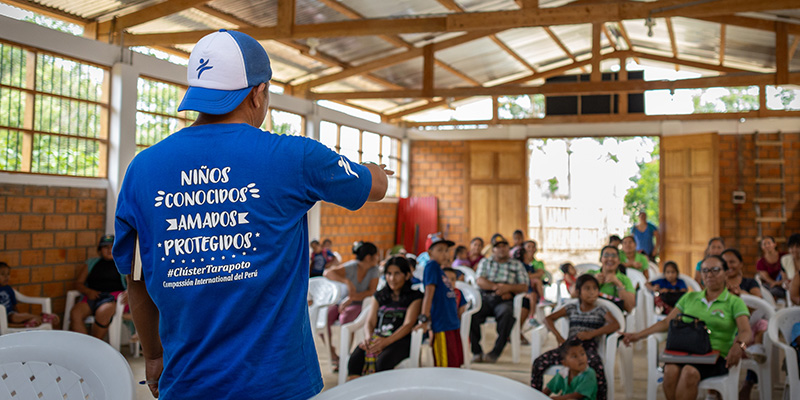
(218, 210)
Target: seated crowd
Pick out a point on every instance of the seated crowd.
(503, 270)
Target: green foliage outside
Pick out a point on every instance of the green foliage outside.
(519, 107)
(643, 196)
(282, 129)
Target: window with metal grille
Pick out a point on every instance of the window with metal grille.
(157, 113)
(53, 113)
(364, 146)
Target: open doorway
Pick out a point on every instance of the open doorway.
(581, 190)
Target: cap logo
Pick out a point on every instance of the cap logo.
(203, 67)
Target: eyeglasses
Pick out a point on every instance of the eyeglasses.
(713, 271)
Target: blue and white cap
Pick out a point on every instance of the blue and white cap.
(223, 67)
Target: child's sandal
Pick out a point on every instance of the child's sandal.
(32, 323)
(49, 318)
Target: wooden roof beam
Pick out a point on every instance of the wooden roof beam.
(481, 21)
(559, 89)
(750, 23)
(561, 45)
(627, 39)
(153, 12)
(781, 54)
(286, 16)
(597, 75)
(608, 36)
(305, 50)
(672, 42)
(393, 59)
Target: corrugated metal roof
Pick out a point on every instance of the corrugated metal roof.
(481, 59)
(89, 9)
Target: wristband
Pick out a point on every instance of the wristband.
(423, 318)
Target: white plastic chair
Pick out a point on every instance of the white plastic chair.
(21, 298)
(62, 365)
(116, 335)
(323, 293)
(432, 383)
(469, 275)
(782, 323)
(762, 310)
(653, 270)
(514, 339)
(474, 301)
(607, 349)
(356, 329)
(726, 385)
(654, 317)
(765, 293)
(584, 268)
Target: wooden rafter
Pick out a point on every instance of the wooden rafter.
(610, 39)
(672, 42)
(559, 89)
(392, 60)
(392, 39)
(722, 32)
(793, 47)
(155, 11)
(781, 54)
(491, 20)
(561, 45)
(453, 6)
(626, 38)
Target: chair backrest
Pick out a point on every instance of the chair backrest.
(608, 305)
(471, 295)
(637, 277)
(65, 365)
(765, 293)
(652, 269)
(761, 308)
(323, 291)
(431, 383)
(469, 274)
(583, 268)
(782, 323)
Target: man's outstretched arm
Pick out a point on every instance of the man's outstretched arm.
(145, 318)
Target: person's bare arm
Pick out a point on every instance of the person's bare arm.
(409, 322)
(380, 181)
(549, 322)
(794, 289)
(745, 335)
(657, 244)
(766, 278)
(145, 318)
(427, 302)
(660, 326)
(484, 284)
(359, 296)
(369, 327)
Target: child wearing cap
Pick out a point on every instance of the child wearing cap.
(439, 309)
(8, 299)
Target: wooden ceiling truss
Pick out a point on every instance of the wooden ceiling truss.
(601, 14)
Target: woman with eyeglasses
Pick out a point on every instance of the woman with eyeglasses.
(614, 285)
(724, 315)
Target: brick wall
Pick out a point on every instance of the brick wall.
(375, 223)
(46, 235)
(439, 168)
(730, 148)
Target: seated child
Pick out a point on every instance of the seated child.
(588, 321)
(9, 300)
(578, 380)
(389, 325)
(570, 275)
(669, 288)
(461, 303)
(461, 257)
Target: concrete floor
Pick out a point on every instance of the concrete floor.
(504, 367)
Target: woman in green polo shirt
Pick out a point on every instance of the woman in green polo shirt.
(723, 313)
(614, 284)
(630, 258)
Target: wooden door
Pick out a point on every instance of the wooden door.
(689, 197)
(497, 182)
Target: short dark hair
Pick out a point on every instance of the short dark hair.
(735, 253)
(794, 240)
(478, 238)
(364, 249)
(519, 231)
(613, 238)
(313, 242)
(565, 267)
(449, 269)
(567, 345)
(326, 241)
(722, 260)
(629, 236)
(3, 264)
(672, 264)
(459, 249)
(584, 279)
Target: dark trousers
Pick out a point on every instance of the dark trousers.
(503, 312)
(386, 360)
(553, 357)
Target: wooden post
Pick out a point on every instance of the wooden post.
(427, 71)
(762, 101)
(596, 30)
(286, 16)
(495, 113)
(623, 77)
(781, 54)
